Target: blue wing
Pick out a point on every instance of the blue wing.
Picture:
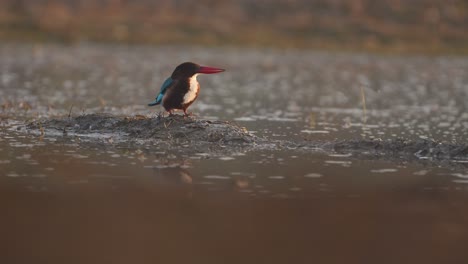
(168, 82)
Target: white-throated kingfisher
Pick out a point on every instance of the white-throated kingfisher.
(181, 89)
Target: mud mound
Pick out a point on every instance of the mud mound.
(398, 148)
(144, 128)
(204, 134)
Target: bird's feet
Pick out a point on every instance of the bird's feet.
(188, 114)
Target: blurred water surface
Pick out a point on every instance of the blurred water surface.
(75, 200)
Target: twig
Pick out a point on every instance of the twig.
(363, 100)
(167, 125)
(69, 113)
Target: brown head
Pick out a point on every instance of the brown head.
(188, 69)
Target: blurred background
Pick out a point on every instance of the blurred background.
(384, 25)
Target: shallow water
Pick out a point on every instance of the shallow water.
(76, 200)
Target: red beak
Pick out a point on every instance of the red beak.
(209, 70)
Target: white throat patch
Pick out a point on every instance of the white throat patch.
(193, 90)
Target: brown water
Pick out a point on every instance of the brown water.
(99, 200)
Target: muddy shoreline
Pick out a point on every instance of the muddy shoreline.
(212, 136)
(131, 128)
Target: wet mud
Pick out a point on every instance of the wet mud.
(175, 128)
(205, 135)
(402, 148)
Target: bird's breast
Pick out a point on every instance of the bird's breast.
(192, 92)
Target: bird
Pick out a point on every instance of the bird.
(180, 90)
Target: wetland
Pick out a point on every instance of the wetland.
(291, 156)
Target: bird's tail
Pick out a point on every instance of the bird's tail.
(155, 102)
